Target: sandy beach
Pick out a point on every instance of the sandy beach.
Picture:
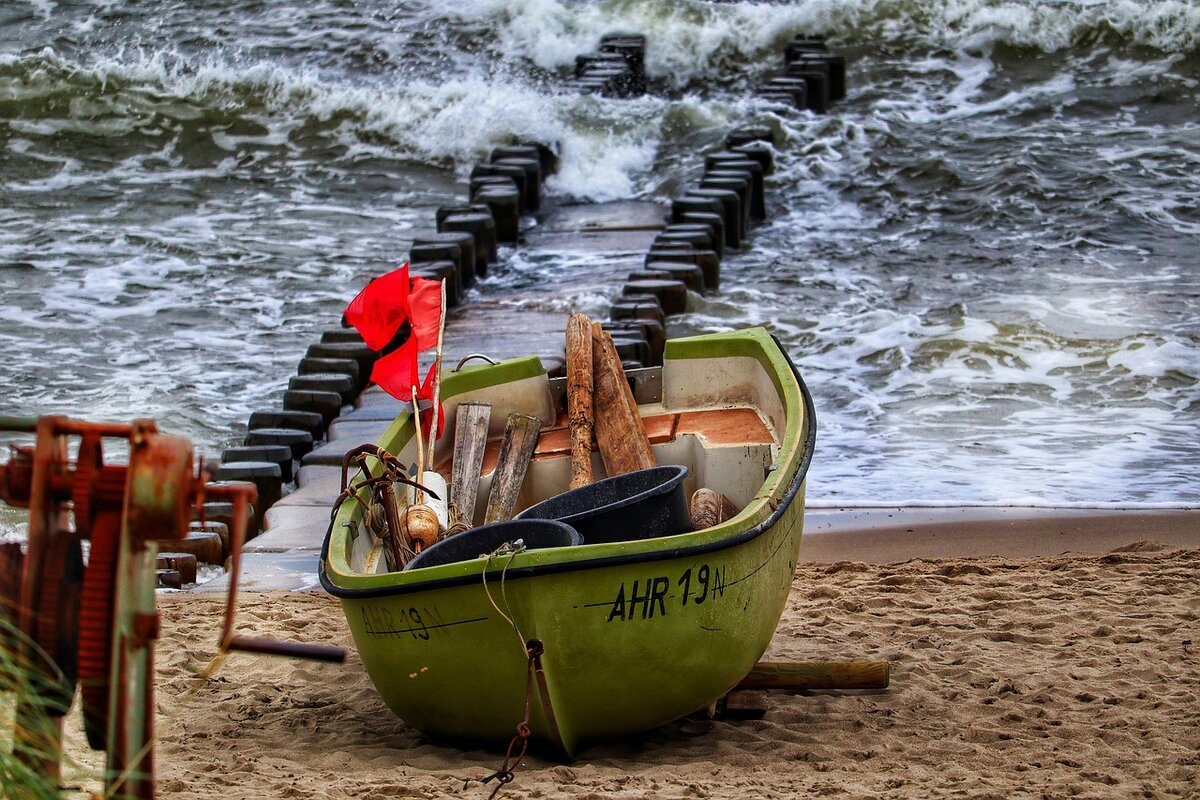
(1011, 677)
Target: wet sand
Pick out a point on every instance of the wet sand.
(1050, 676)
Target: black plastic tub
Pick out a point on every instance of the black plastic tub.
(636, 505)
(535, 534)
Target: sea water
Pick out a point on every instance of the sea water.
(983, 261)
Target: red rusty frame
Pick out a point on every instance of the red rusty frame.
(154, 496)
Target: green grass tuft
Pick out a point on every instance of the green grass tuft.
(18, 694)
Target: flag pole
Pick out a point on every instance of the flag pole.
(437, 378)
(417, 494)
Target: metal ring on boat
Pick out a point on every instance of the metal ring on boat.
(465, 359)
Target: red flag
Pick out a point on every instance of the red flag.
(379, 310)
(396, 373)
(425, 308)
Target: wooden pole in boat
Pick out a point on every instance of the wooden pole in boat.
(579, 398)
(620, 433)
(520, 440)
(470, 442)
(437, 378)
(417, 494)
(800, 676)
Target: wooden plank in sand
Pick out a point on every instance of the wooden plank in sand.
(800, 675)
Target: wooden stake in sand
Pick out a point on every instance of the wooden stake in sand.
(798, 676)
(520, 440)
(620, 434)
(470, 441)
(579, 398)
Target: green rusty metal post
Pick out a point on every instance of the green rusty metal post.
(159, 490)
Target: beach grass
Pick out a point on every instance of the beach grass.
(19, 695)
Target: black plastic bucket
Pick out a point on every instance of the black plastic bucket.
(471, 544)
(636, 505)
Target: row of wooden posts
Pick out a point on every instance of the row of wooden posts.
(716, 213)
(616, 69)
(813, 76)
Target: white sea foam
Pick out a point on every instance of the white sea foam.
(689, 40)
(984, 396)
(456, 120)
(43, 7)
(693, 41)
(1049, 25)
(1155, 358)
(915, 503)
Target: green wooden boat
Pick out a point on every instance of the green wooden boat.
(628, 635)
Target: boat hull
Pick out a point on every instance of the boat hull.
(631, 635)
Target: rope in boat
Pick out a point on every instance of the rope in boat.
(381, 513)
(509, 549)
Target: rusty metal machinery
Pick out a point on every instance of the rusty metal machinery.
(92, 625)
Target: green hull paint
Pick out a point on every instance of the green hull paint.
(635, 633)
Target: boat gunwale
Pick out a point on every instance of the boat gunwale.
(599, 562)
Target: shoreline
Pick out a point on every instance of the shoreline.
(892, 534)
(286, 555)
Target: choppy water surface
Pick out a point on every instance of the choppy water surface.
(984, 260)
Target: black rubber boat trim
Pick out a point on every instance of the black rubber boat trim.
(610, 561)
